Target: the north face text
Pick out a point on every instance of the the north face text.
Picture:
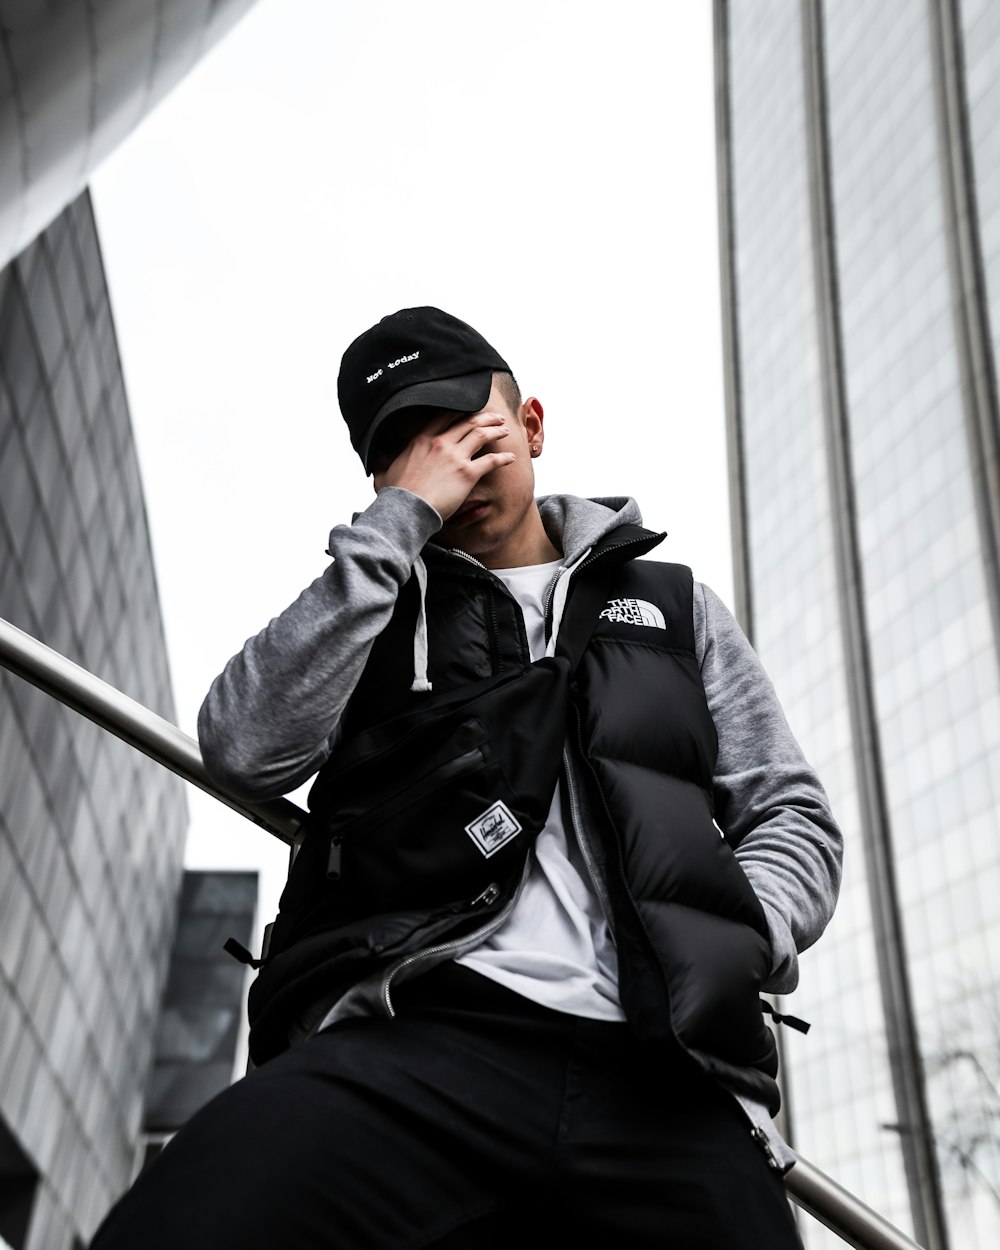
(633, 612)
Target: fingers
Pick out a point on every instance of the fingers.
(467, 446)
(459, 423)
(477, 426)
(468, 435)
(480, 438)
(446, 459)
(486, 462)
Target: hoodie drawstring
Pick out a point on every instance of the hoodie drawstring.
(420, 683)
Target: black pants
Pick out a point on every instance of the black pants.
(474, 1118)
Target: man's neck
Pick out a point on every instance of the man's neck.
(532, 545)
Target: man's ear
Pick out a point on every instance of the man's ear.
(533, 415)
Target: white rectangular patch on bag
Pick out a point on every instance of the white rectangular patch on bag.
(494, 828)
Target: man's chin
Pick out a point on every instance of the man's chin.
(473, 540)
(467, 527)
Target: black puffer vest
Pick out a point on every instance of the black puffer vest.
(691, 936)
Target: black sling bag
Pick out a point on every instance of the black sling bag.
(440, 802)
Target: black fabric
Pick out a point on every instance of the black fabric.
(333, 930)
(473, 1119)
(648, 743)
(433, 806)
(691, 936)
(436, 804)
(396, 886)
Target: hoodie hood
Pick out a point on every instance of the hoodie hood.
(575, 524)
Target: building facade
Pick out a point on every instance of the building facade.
(859, 176)
(202, 1012)
(91, 832)
(76, 79)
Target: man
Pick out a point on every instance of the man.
(578, 1050)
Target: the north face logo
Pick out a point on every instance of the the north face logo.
(494, 828)
(633, 612)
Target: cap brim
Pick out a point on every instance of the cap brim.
(467, 393)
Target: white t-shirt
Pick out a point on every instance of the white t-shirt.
(555, 947)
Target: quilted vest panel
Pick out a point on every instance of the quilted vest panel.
(693, 940)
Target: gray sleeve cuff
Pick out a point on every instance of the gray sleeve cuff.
(400, 517)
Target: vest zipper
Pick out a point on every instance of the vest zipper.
(594, 559)
(576, 823)
(631, 542)
(471, 559)
(456, 944)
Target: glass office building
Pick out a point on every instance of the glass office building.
(859, 175)
(91, 832)
(76, 79)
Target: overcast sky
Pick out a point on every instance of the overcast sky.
(544, 170)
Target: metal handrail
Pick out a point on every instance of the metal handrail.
(811, 1189)
(841, 1212)
(136, 725)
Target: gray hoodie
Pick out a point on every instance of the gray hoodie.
(270, 719)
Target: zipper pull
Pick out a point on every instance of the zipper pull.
(333, 862)
(761, 1138)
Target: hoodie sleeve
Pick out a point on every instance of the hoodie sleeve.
(768, 799)
(270, 719)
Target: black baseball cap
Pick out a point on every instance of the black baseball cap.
(414, 358)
